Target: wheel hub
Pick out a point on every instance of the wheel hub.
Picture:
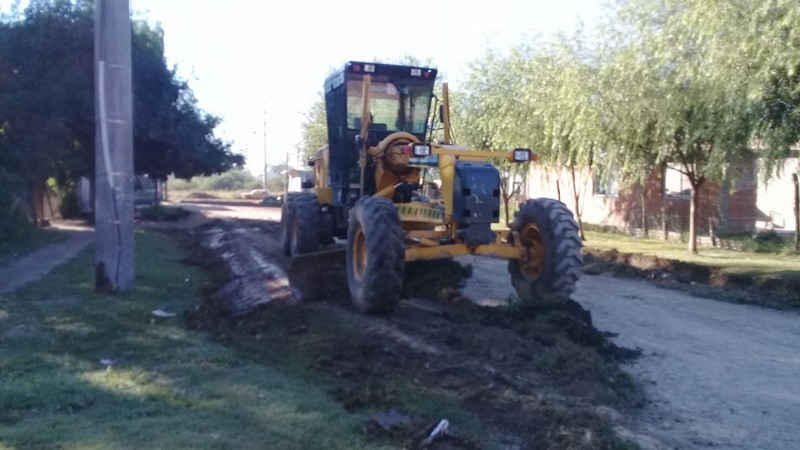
(359, 254)
(531, 254)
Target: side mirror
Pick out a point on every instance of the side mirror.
(441, 112)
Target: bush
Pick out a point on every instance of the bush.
(14, 219)
(766, 241)
(232, 180)
(70, 207)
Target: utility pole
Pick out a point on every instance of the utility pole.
(114, 254)
(796, 212)
(286, 181)
(265, 148)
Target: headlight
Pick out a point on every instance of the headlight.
(421, 150)
(522, 155)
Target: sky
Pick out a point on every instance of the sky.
(251, 60)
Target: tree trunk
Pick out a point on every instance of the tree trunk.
(643, 199)
(693, 221)
(796, 213)
(36, 200)
(558, 190)
(506, 198)
(577, 199)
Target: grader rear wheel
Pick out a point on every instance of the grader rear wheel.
(305, 224)
(550, 257)
(287, 221)
(375, 255)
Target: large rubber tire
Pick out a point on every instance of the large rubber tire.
(375, 255)
(549, 232)
(287, 218)
(306, 223)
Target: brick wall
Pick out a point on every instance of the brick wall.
(725, 209)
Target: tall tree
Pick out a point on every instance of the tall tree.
(46, 100)
(698, 107)
(487, 114)
(314, 131)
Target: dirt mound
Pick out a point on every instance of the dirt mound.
(201, 195)
(435, 279)
(521, 377)
(773, 292)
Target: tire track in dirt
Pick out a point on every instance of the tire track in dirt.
(256, 265)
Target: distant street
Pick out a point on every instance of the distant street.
(221, 210)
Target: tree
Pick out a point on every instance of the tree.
(173, 135)
(486, 115)
(47, 106)
(695, 100)
(314, 131)
(541, 95)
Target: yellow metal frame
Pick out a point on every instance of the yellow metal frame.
(500, 248)
(424, 225)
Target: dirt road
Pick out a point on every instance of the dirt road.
(717, 375)
(222, 210)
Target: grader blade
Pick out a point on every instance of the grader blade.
(319, 275)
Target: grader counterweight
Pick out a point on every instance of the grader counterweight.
(377, 191)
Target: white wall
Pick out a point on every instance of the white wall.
(775, 199)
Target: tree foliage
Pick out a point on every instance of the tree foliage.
(695, 83)
(541, 95)
(47, 100)
(700, 85)
(314, 131)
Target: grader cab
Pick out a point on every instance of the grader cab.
(391, 196)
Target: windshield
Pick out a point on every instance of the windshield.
(393, 106)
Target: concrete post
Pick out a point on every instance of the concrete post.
(114, 256)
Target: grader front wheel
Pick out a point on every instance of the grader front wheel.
(375, 255)
(550, 260)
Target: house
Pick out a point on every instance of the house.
(743, 204)
(300, 179)
(774, 199)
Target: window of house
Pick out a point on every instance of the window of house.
(676, 183)
(607, 186)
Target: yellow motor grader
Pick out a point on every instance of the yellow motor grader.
(392, 197)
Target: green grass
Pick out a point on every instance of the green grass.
(756, 264)
(168, 387)
(35, 239)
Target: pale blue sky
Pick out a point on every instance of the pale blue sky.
(243, 57)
